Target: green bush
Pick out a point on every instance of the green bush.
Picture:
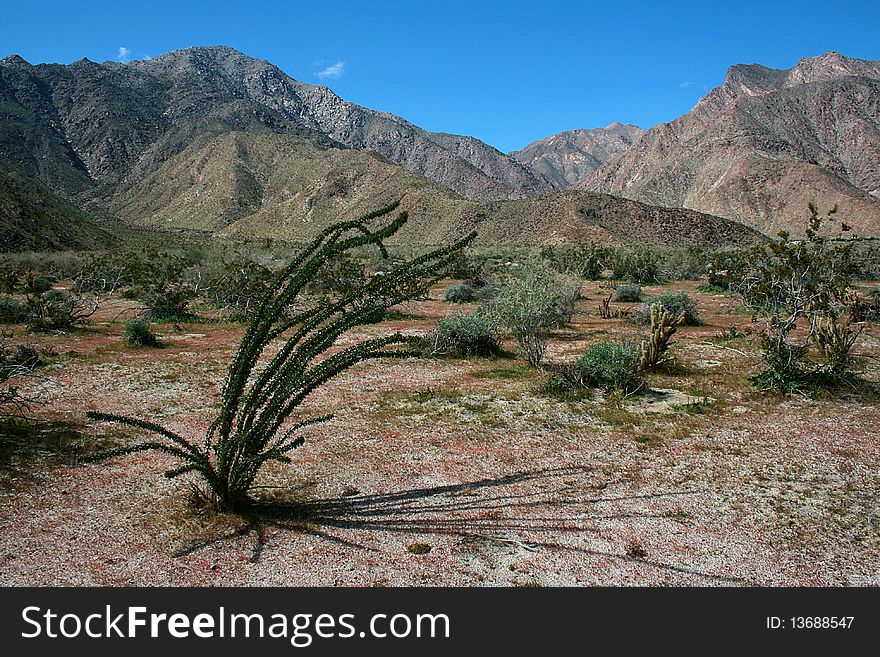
(585, 261)
(162, 286)
(628, 293)
(37, 284)
(107, 272)
(726, 269)
(674, 303)
(533, 300)
(12, 311)
(688, 264)
(339, 277)
(138, 333)
(613, 367)
(790, 281)
(462, 292)
(237, 286)
(54, 310)
(639, 265)
(465, 335)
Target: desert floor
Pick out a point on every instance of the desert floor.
(455, 471)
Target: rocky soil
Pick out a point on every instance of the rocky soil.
(457, 472)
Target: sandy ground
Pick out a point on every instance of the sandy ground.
(460, 472)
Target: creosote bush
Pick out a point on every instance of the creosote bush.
(465, 335)
(613, 367)
(675, 303)
(162, 286)
(462, 292)
(639, 265)
(259, 417)
(237, 286)
(12, 311)
(138, 333)
(804, 281)
(533, 300)
(628, 293)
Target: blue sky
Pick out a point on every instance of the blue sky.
(505, 72)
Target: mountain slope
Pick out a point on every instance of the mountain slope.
(569, 158)
(250, 185)
(33, 219)
(761, 146)
(98, 125)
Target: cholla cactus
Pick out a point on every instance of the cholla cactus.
(253, 423)
(663, 326)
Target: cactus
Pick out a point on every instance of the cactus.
(663, 326)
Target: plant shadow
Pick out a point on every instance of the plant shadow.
(512, 509)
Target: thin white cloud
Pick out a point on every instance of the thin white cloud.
(332, 72)
(124, 54)
(685, 84)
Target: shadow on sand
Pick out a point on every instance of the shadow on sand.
(510, 509)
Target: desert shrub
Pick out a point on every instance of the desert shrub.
(628, 293)
(54, 310)
(108, 272)
(866, 261)
(675, 303)
(687, 264)
(465, 335)
(566, 381)
(16, 361)
(237, 286)
(613, 367)
(864, 308)
(533, 300)
(162, 286)
(12, 311)
(585, 261)
(639, 265)
(10, 279)
(791, 281)
(726, 268)
(467, 266)
(339, 277)
(34, 284)
(265, 385)
(139, 333)
(462, 292)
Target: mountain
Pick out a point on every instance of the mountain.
(763, 145)
(568, 158)
(209, 140)
(239, 184)
(34, 219)
(84, 128)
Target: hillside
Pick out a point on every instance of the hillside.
(246, 185)
(763, 145)
(33, 219)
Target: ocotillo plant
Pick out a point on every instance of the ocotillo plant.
(258, 420)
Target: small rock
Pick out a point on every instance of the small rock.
(419, 548)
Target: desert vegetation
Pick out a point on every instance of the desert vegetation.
(528, 414)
